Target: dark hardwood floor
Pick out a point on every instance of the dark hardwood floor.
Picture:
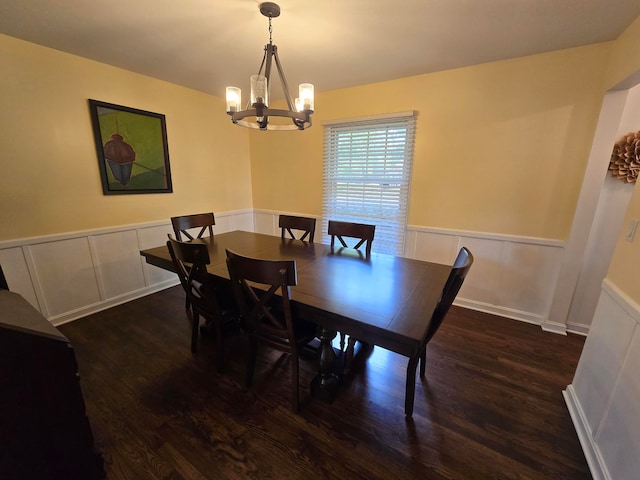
(490, 407)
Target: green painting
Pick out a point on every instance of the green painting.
(133, 156)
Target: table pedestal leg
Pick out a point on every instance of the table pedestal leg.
(325, 385)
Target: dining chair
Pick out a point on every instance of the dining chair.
(459, 271)
(190, 260)
(360, 231)
(364, 233)
(3, 280)
(182, 224)
(288, 223)
(266, 311)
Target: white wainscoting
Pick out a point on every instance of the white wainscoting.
(512, 276)
(604, 398)
(71, 275)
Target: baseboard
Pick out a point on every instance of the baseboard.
(112, 302)
(578, 329)
(498, 310)
(596, 465)
(554, 327)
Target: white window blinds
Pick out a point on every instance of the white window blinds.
(367, 169)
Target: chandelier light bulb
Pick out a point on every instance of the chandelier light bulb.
(234, 99)
(305, 92)
(259, 90)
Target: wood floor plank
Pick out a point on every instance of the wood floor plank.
(490, 406)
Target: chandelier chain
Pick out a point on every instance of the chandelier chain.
(270, 30)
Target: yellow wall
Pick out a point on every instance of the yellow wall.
(500, 147)
(623, 270)
(625, 56)
(49, 177)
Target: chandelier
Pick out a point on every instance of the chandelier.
(257, 112)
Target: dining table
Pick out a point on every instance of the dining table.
(379, 299)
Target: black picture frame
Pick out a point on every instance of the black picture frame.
(133, 153)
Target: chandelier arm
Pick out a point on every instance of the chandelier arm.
(283, 80)
(264, 58)
(268, 53)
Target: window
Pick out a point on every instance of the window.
(367, 169)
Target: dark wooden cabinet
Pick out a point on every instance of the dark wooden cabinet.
(44, 431)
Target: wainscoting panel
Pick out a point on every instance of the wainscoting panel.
(149, 237)
(70, 275)
(431, 247)
(267, 222)
(529, 273)
(65, 275)
(117, 263)
(603, 398)
(602, 358)
(512, 276)
(73, 274)
(16, 271)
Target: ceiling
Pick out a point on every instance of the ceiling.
(209, 44)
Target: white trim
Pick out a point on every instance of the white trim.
(589, 447)
(554, 327)
(281, 212)
(111, 302)
(369, 118)
(622, 299)
(578, 329)
(20, 242)
(489, 236)
(512, 313)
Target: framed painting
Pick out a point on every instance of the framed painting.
(133, 155)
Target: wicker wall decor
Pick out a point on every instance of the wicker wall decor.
(625, 158)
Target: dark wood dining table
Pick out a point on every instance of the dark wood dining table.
(380, 300)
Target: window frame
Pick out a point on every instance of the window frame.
(359, 154)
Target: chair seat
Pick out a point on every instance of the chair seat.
(230, 323)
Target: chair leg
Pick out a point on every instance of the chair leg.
(342, 337)
(295, 396)
(194, 330)
(411, 386)
(251, 363)
(219, 346)
(423, 360)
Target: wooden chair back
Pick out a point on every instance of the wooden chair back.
(182, 225)
(262, 292)
(451, 288)
(306, 225)
(190, 260)
(3, 280)
(361, 231)
(258, 307)
(461, 267)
